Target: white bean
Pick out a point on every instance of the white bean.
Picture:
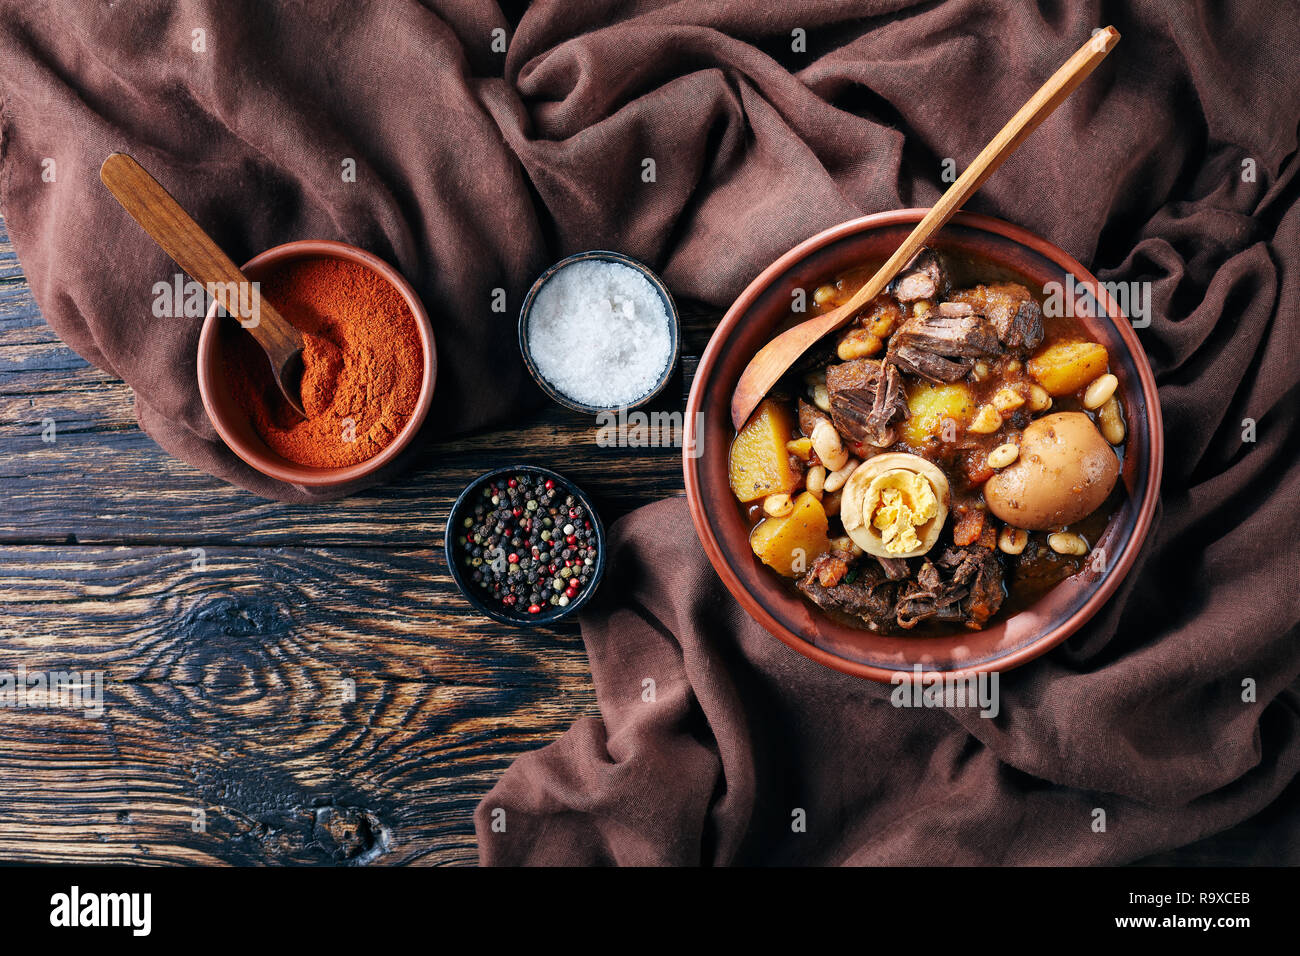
(829, 448)
(821, 397)
(1003, 455)
(1112, 421)
(778, 506)
(815, 480)
(1039, 400)
(836, 479)
(1100, 391)
(1007, 400)
(1012, 540)
(1065, 543)
(987, 421)
(857, 344)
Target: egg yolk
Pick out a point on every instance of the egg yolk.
(899, 502)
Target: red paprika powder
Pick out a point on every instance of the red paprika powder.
(363, 364)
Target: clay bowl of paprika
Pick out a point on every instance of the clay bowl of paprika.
(369, 367)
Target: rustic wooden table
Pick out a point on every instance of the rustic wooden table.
(227, 735)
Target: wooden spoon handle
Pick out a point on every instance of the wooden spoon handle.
(778, 355)
(1027, 119)
(180, 237)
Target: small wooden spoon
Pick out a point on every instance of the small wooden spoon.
(194, 251)
(776, 357)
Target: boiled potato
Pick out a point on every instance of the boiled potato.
(1065, 471)
(1066, 367)
(760, 465)
(928, 405)
(791, 543)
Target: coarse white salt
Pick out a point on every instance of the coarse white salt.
(598, 332)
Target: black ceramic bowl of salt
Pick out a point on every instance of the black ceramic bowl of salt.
(476, 566)
(660, 349)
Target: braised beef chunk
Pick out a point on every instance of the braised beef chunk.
(869, 595)
(922, 278)
(867, 397)
(961, 586)
(895, 568)
(919, 603)
(964, 584)
(955, 336)
(1023, 328)
(941, 347)
(1010, 310)
(809, 416)
(927, 365)
(986, 590)
(980, 572)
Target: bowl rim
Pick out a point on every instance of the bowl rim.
(674, 331)
(467, 590)
(1013, 658)
(280, 468)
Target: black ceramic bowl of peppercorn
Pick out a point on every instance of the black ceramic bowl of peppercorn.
(525, 545)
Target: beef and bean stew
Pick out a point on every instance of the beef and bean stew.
(950, 456)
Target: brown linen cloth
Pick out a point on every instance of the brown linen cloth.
(1175, 165)
(251, 133)
(766, 123)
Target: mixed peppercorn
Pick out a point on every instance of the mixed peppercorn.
(527, 544)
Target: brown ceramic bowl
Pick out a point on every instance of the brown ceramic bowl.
(234, 427)
(751, 322)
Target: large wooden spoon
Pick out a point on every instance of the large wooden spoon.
(776, 357)
(194, 251)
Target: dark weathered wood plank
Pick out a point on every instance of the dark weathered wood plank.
(224, 690)
(101, 482)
